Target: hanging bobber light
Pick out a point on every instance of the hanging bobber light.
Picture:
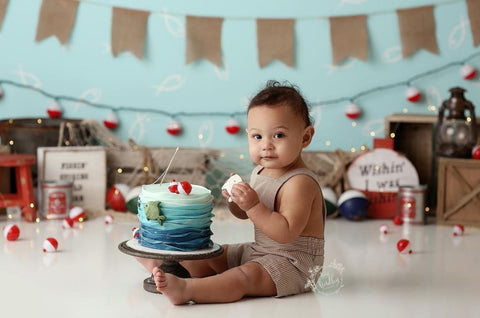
(232, 126)
(413, 94)
(54, 110)
(174, 128)
(111, 121)
(352, 111)
(468, 71)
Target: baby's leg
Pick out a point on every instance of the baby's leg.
(249, 279)
(149, 263)
(207, 267)
(196, 268)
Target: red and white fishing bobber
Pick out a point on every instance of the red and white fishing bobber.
(111, 121)
(384, 229)
(458, 230)
(11, 232)
(352, 111)
(108, 219)
(54, 110)
(476, 152)
(468, 71)
(77, 214)
(173, 186)
(413, 94)
(184, 187)
(50, 245)
(135, 232)
(403, 246)
(397, 220)
(174, 128)
(67, 223)
(232, 126)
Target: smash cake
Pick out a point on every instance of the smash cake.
(175, 220)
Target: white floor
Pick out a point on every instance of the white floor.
(364, 275)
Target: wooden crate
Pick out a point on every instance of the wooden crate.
(458, 198)
(414, 137)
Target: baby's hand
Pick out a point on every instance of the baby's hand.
(227, 187)
(244, 196)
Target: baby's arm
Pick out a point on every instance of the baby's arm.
(295, 203)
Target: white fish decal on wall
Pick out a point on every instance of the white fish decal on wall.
(92, 95)
(376, 125)
(222, 72)
(433, 97)
(392, 55)
(205, 133)
(106, 48)
(27, 78)
(171, 83)
(316, 113)
(174, 25)
(343, 66)
(457, 34)
(137, 129)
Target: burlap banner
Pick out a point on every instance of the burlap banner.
(417, 30)
(3, 8)
(474, 17)
(129, 28)
(349, 37)
(57, 18)
(275, 40)
(204, 39)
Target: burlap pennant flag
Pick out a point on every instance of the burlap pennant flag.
(349, 37)
(57, 18)
(129, 28)
(474, 17)
(275, 40)
(417, 30)
(204, 39)
(3, 8)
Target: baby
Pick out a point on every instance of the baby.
(283, 200)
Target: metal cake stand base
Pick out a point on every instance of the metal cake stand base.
(171, 259)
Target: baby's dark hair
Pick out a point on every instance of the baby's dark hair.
(282, 94)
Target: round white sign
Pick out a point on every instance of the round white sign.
(381, 170)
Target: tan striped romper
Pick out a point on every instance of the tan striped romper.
(288, 264)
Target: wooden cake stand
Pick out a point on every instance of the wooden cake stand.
(171, 259)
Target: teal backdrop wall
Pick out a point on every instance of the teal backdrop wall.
(86, 69)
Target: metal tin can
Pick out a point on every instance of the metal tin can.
(411, 204)
(55, 198)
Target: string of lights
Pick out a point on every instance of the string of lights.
(173, 115)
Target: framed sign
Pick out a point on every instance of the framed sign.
(84, 166)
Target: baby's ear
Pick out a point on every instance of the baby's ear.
(307, 136)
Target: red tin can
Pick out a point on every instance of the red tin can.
(56, 198)
(411, 204)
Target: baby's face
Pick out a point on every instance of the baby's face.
(275, 136)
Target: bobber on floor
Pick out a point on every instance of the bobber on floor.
(330, 198)
(353, 205)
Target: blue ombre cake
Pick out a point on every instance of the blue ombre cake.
(175, 222)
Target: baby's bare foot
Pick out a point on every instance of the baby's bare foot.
(171, 286)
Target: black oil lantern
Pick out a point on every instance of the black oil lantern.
(456, 132)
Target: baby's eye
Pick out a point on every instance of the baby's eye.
(257, 137)
(279, 135)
